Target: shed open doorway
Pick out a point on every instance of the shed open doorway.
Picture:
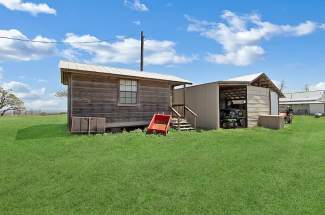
(233, 106)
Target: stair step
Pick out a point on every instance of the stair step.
(181, 123)
(184, 125)
(187, 129)
(176, 121)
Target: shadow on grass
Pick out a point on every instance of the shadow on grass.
(42, 131)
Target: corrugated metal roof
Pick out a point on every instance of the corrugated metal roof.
(310, 96)
(251, 78)
(301, 102)
(119, 71)
(246, 78)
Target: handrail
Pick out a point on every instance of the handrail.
(191, 111)
(175, 111)
(178, 117)
(185, 109)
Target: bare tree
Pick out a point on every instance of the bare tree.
(282, 85)
(9, 102)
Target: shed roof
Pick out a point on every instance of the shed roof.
(246, 78)
(79, 67)
(301, 102)
(250, 79)
(308, 97)
(254, 79)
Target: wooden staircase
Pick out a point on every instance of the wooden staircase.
(182, 125)
(179, 121)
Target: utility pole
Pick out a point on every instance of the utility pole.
(142, 46)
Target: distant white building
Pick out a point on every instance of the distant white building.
(309, 102)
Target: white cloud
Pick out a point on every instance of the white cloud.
(126, 50)
(24, 51)
(70, 54)
(241, 36)
(318, 86)
(36, 99)
(137, 22)
(41, 80)
(23, 90)
(241, 57)
(29, 7)
(136, 5)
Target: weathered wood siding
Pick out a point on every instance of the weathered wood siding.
(97, 96)
(258, 103)
(69, 103)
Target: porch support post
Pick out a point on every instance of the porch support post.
(184, 97)
(172, 96)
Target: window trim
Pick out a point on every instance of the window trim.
(119, 93)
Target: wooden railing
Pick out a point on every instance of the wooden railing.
(178, 115)
(179, 111)
(193, 113)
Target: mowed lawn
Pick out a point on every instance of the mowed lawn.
(44, 170)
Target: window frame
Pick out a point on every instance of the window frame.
(132, 91)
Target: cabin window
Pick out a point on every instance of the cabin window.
(128, 92)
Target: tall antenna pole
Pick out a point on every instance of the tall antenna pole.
(142, 45)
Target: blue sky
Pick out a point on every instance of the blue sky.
(201, 41)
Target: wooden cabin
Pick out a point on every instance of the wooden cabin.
(122, 97)
(253, 95)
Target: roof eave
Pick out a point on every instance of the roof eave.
(172, 82)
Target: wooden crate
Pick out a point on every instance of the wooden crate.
(88, 125)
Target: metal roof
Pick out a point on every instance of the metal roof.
(304, 97)
(301, 102)
(251, 78)
(246, 78)
(119, 71)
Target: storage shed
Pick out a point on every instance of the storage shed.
(304, 103)
(252, 95)
(123, 97)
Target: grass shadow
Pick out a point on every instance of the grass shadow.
(42, 131)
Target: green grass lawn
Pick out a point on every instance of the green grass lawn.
(44, 170)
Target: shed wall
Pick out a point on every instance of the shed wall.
(301, 109)
(258, 103)
(97, 96)
(317, 108)
(203, 100)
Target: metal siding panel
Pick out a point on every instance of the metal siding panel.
(316, 108)
(258, 103)
(274, 103)
(203, 100)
